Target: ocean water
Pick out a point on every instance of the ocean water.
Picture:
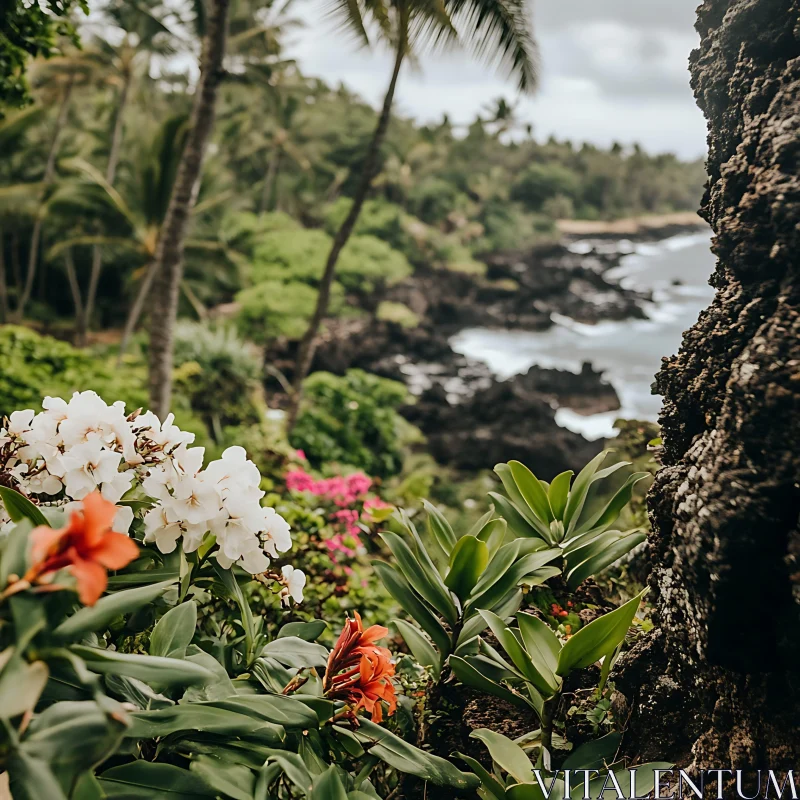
(675, 270)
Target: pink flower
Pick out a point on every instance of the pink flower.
(301, 455)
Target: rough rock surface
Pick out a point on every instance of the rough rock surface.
(718, 683)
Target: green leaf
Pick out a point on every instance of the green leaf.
(540, 642)
(467, 563)
(32, 779)
(291, 651)
(150, 669)
(536, 671)
(440, 528)
(600, 553)
(559, 492)
(144, 780)
(174, 632)
(425, 582)
(609, 513)
(489, 783)
(580, 488)
(470, 675)
(21, 683)
(205, 717)
(422, 650)
(597, 754)
(15, 551)
(644, 784)
(328, 786)
(19, 507)
(232, 780)
(294, 768)
(409, 759)
(494, 534)
(599, 638)
(532, 491)
(307, 631)
(399, 588)
(514, 518)
(90, 619)
(283, 710)
(508, 755)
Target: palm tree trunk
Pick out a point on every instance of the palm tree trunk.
(269, 180)
(74, 286)
(49, 174)
(169, 255)
(136, 310)
(305, 352)
(111, 171)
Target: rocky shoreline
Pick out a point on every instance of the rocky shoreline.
(471, 419)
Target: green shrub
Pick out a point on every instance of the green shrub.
(352, 420)
(32, 366)
(397, 312)
(273, 308)
(219, 373)
(540, 182)
(300, 255)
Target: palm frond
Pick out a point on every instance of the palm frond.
(500, 28)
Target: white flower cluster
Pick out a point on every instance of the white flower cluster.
(73, 448)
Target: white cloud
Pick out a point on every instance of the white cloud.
(612, 70)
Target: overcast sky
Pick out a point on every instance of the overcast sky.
(610, 70)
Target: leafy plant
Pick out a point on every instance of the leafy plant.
(512, 776)
(482, 571)
(557, 513)
(539, 662)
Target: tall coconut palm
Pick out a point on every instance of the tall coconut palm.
(168, 263)
(492, 28)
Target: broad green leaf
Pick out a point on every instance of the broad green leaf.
(153, 670)
(440, 528)
(194, 717)
(15, 551)
(422, 650)
(484, 519)
(596, 754)
(467, 563)
(19, 507)
(280, 709)
(21, 684)
(328, 786)
(514, 518)
(294, 768)
(308, 631)
(494, 534)
(291, 651)
(492, 587)
(409, 759)
(136, 692)
(507, 607)
(174, 632)
(540, 642)
(399, 588)
(232, 780)
(508, 755)
(90, 619)
(532, 491)
(217, 689)
(597, 555)
(598, 638)
(644, 783)
(536, 671)
(559, 492)
(489, 783)
(611, 510)
(144, 780)
(470, 675)
(144, 577)
(580, 488)
(32, 779)
(426, 582)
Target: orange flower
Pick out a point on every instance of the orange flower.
(87, 548)
(359, 671)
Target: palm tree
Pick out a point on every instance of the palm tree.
(144, 35)
(57, 78)
(168, 262)
(491, 27)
